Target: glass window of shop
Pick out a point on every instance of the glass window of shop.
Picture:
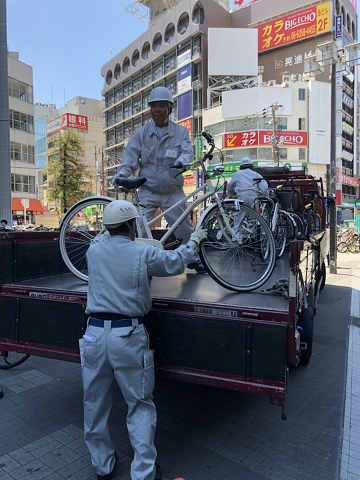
(215, 129)
(283, 153)
(170, 62)
(266, 123)
(241, 124)
(302, 154)
(264, 154)
(20, 90)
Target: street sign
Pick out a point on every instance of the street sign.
(338, 27)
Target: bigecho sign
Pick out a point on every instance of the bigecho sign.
(255, 138)
(289, 29)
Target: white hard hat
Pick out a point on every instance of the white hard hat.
(161, 94)
(117, 212)
(245, 161)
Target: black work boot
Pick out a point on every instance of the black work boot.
(158, 474)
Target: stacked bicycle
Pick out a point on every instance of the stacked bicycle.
(348, 240)
(240, 258)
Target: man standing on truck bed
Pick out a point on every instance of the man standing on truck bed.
(116, 345)
(154, 150)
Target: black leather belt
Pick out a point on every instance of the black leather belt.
(117, 320)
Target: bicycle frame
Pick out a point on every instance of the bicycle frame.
(209, 191)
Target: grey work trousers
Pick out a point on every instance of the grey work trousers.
(153, 201)
(122, 354)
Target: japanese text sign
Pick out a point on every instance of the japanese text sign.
(263, 138)
(68, 120)
(300, 25)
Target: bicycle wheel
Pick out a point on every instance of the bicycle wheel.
(233, 253)
(78, 228)
(342, 247)
(282, 233)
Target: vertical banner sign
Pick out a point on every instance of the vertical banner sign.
(185, 105)
(338, 26)
(289, 29)
(184, 79)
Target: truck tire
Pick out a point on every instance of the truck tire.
(306, 322)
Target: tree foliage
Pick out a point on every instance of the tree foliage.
(67, 176)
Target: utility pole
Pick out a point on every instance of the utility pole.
(96, 171)
(274, 140)
(5, 171)
(332, 203)
(103, 192)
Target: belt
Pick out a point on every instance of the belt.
(117, 323)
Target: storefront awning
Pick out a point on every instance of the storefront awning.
(34, 206)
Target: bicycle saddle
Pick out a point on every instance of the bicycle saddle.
(130, 183)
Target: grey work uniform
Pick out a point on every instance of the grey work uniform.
(152, 151)
(119, 283)
(242, 184)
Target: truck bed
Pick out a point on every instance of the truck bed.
(188, 287)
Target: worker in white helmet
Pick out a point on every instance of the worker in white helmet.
(153, 151)
(116, 345)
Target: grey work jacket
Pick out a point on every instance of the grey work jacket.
(154, 157)
(120, 271)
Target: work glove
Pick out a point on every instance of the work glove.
(199, 235)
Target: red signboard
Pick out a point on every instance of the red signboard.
(300, 25)
(286, 138)
(188, 124)
(68, 120)
(241, 139)
(263, 137)
(244, 3)
(189, 180)
(351, 181)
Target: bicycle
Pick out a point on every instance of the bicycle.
(238, 264)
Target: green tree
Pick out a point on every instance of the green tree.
(67, 176)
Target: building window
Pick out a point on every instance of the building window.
(145, 100)
(157, 42)
(348, 22)
(169, 33)
(127, 110)
(157, 71)
(117, 71)
(109, 77)
(302, 154)
(301, 93)
(136, 107)
(118, 114)
(20, 90)
(301, 123)
(196, 72)
(145, 52)
(118, 94)
(119, 134)
(146, 118)
(126, 65)
(198, 14)
(15, 151)
(127, 90)
(128, 130)
(137, 124)
(283, 153)
(170, 62)
(135, 58)
(22, 183)
(171, 84)
(147, 77)
(21, 121)
(136, 84)
(353, 31)
(183, 23)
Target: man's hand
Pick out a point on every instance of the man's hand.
(199, 236)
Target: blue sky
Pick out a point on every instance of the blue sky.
(67, 42)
